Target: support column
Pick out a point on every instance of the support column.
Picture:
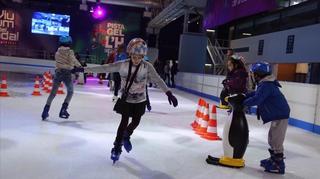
(185, 22)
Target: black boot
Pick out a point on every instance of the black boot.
(63, 112)
(45, 112)
(116, 152)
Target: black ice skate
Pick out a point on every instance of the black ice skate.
(115, 153)
(63, 112)
(127, 143)
(45, 112)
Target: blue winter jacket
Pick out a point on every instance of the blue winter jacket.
(272, 105)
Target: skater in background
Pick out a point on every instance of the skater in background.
(236, 80)
(174, 71)
(166, 70)
(134, 73)
(157, 66)
(65, 62)
(120, 56)
(272, 107)
(84, 64)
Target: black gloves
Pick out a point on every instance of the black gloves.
(172, 99)
(77, 70)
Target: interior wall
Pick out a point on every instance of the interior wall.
(192, 52)
(286, 72)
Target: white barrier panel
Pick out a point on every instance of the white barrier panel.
(304, 99)
(28, 65)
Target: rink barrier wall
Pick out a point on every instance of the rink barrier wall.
(304, 108)
(28, 65)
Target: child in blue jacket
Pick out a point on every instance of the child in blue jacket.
(272, 107)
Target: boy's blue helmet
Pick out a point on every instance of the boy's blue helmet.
(65, 40)
(261, 68)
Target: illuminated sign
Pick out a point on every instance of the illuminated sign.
(9, 31)
(110, 34)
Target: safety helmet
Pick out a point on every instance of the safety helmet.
(65, 40)
(261, 68)
(236, 57)
(137, 46)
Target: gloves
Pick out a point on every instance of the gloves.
(77, 69)
(172, 99)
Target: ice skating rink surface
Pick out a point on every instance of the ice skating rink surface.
(164, 146)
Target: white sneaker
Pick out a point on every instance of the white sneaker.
(115, 99)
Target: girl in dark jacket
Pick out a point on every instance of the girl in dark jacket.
(236, 80)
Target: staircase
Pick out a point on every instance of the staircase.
(217, 57)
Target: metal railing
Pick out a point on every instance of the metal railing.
(217, 56)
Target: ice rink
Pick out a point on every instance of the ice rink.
(164, 145)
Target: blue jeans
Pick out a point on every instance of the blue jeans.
(64, 76)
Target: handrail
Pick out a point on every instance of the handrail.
(215, 52)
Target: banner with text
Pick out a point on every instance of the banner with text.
(9, 27)
(219, 12)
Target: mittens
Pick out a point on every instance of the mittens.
(77, 69)
(172, 99)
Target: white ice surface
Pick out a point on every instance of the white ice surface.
(164, 146)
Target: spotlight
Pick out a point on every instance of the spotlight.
(98, 12)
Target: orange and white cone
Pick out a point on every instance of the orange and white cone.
(44, 78)
(60, 89)
(49, 85)
(4, 87)
(212, 133)
(202, 129)
(36, 91)
(46, 82)
(199, 113)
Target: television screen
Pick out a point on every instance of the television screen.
(51, 24)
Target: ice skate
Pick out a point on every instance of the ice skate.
(45, 112)
(63, 112)
(115, 153)
(275, 164)
(127, 143)
(265, 161)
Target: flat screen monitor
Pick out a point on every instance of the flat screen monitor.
(50, 24)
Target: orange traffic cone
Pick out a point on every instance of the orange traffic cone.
(44, 78)
(212, 133)
(36, 91)
(202, 129)
(199, 112)
(4, 87)
(49, 84)
(46, 81)
(60, 89)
